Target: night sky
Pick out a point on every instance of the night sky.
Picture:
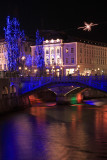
(57, 15)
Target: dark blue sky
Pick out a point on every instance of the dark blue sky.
(57, 15)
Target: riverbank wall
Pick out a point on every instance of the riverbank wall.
(14, 103)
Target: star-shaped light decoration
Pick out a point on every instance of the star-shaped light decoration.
(87, 27)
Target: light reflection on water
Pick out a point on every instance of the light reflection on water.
(49, 132)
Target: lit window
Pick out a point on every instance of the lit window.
(47, 70)
(66, 50)
(35, 70)
(20, 68)
(0, 66)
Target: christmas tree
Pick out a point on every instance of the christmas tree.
(28, 61)
(39, 54)
(14, 38)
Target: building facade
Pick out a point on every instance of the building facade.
(53, 57)
(3, 56)
(73, 58)
(92, 58)
(61, 58)
(24, 50)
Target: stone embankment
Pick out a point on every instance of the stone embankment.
(9, 98)
(14, 103)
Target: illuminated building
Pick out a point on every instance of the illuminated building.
(3, 61)
(78, 57)
(53, 56)
(92, 58)
(84, 58)
(24, 50)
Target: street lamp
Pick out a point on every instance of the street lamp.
(20, 68)
(23, 58)
(23, 63)
(78, 66)
(25, 68)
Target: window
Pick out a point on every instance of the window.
(53, 62)
(72, 50)
(84, 52)
(66, 50)
(58, 51)
(52, 51)
(80, 50)
(0, 66)
(58, 61)
(80, 60)
(72, 60)
(47, 62)
(4, 66)
(47, 52)
(66, 60)
(47, 58)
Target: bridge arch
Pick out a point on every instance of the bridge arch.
(4, 91)
(80, 94)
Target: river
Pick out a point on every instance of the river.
(50, 132)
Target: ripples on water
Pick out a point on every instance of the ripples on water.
(49, 132)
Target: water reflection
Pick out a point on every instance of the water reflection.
(77, 132)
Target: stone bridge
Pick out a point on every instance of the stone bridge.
(29, 84)
(63, 86)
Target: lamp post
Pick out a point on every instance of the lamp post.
(23, 64)
(53, 71)
(61, 71)
(78, 68)
(20, 69)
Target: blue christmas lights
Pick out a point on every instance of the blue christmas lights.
(39, 53)
(28, 61)
(13, 38)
